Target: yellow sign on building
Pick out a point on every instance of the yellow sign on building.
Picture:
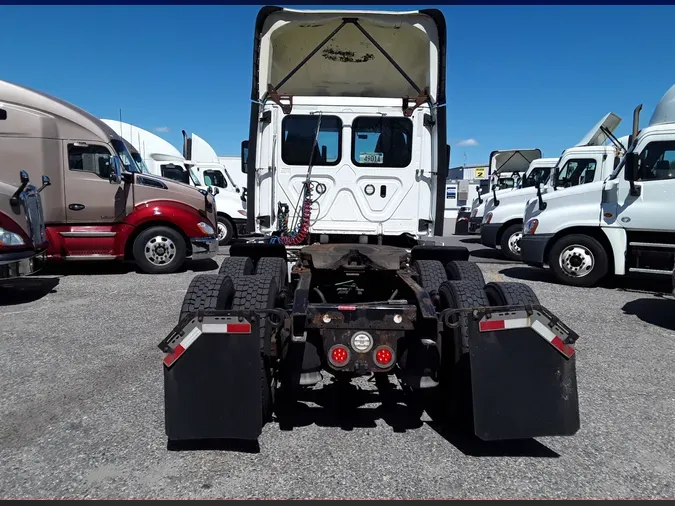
(480, 173)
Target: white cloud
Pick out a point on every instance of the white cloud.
(162, 129)
(468, 142)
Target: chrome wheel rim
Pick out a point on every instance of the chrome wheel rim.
(160, 250)
(514, 243)
(576, 261)
(222, 231)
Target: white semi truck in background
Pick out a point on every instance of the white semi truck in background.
(618, 226)
(506, 169)
(589, 160)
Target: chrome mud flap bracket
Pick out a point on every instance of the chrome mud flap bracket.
(522, 367)
(212, 377)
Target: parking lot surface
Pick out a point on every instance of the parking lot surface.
(82, 407)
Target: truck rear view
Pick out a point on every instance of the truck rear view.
(343, 178)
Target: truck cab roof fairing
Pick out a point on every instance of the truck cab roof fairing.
(415, 40)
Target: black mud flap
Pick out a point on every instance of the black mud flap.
(523, 375)
(212, 379)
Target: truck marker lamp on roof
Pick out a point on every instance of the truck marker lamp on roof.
(531, 226)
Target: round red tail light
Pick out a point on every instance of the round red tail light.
(338, 355)
(384, 356)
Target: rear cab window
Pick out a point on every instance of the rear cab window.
(297, 144)
(379, 141)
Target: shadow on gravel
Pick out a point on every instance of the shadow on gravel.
(113, 268)
(473, 446)
(223, 445)
(26, 289)
(488, 253)
(655, 311)
(528, 274)
(471, 240)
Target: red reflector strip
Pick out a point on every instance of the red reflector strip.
(555, 340)
(174, 355)
(346, 308)
(238, 328)
(515, 323)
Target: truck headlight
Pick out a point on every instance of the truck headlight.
(206, 228)
(531, 226)
(8, 238)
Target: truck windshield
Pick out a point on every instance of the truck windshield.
(141, 164)
(543, 173)
(127, 160)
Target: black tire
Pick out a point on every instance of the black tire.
(457, 270)
(597, 270)
(225, 226)
(512, 253)
(236, 267)
(510, 294)
(207, 291)
(152, 240)
(431, 274)
(259, 292)
(273, 266)
(460, 295)
(453, 395)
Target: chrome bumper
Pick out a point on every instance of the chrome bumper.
(16, 267)
(204, 247)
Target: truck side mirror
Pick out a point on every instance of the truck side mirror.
(244, 156)
(214, 190)
(116, 174)
(631, 167)
(45, 182)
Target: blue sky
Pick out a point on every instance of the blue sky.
(518, 76)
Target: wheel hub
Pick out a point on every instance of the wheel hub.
(160, 250)
(222, 231)
(514, 243)
(576, 261)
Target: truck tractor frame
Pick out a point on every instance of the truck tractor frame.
(251, 337)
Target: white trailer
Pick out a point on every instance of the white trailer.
(618, 226)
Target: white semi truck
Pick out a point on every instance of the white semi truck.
(352, 289)
(618, 226)
(589, 160)
(506, 169)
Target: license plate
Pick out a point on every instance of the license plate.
(377, 158)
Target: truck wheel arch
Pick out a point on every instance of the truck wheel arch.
(506, 225)
(594, 232)
(129, 244)
(225, 215)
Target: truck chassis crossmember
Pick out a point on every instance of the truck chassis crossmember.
(257, 333)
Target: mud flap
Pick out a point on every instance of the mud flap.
(212, 379)
(523, 375)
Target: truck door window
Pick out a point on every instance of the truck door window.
(90, 158)
(298, 139)
(378, 141)
(543, 173)
(576, 171)
(657, 161)
(214, 178)
(175, 172)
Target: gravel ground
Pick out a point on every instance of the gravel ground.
(82, 408)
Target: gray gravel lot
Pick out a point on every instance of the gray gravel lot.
(82, 408)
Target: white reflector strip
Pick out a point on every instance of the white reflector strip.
(552, 338)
